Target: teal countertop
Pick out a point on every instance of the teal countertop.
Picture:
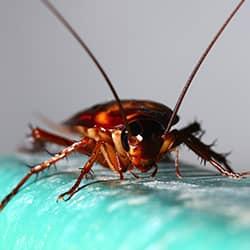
(201, 211)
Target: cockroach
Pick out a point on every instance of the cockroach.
(124, 135)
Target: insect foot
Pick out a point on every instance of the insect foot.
(62, 196)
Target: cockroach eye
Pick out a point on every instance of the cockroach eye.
(135, 128)
(124, 139)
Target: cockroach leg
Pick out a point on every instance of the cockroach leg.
(121, 176)
(39, 134)
(112, 159)
(134, 174)
(229, 174)
(85, 170)
(206, 153)
(155, 171)
(42, 166)
(44, 136)
(186, 135)
(90, 174)
(177, 163)
(224, 172)
(48, 152)
(40, 137)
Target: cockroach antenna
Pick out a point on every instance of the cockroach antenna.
(198, 65)
(66, 24)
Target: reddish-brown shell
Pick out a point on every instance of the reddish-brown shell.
(108, 116)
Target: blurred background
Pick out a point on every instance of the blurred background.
(148, 48)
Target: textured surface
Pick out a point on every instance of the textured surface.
(201, 211)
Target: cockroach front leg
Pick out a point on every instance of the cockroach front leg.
(102, 151)
(85, 170)
(42, 166)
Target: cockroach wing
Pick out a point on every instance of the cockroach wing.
(107, 115)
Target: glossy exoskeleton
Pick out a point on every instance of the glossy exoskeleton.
(124, 135)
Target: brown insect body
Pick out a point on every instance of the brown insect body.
(147, 121)
(107, 115)
(127, 134)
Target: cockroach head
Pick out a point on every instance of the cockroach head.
(143, 141)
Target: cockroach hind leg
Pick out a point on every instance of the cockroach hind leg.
(204, 152)
(245, 174)
(225, 172)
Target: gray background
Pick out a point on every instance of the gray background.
(148, 48)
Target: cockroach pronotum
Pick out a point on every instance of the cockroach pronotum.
(124, 135)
